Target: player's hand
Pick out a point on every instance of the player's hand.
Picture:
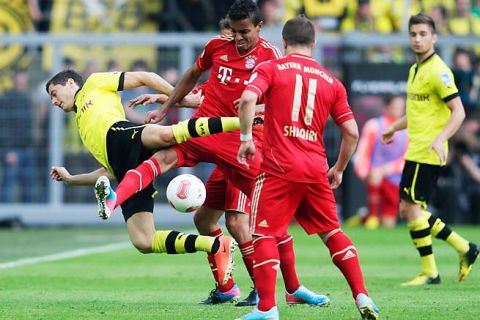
(146, 99)
(156, 116)
(335, 177)
(246, 153)
(192, 100)
(387, 136)
(437, 146)
(60, 174)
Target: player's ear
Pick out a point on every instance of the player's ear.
(259, 26)
(434, 38)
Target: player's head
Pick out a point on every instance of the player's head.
(62, 88)
(422, 34)
(224, 27)
(245, 22)
(394, 106)
(299, 32)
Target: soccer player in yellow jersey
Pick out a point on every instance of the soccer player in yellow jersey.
(434, 114)
(124, 149)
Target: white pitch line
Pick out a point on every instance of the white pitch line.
(66, 255)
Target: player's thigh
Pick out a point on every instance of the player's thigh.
(157, 137)
(141, 229)
(318, 211)
(390, 198)
(274, 203)
(216, 187)
(418, 182)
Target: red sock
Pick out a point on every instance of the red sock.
(373, 199)
(246, 249)
(265, 268)
(137, 179)
(211, 261)
(345, 257)
(287, 263)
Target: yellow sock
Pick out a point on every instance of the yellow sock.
(420, 234)
(174, 242)
(441, 231)
(201, 127)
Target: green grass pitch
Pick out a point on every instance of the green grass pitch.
(125, 284)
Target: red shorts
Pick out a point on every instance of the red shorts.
(222, 195)
(276, 201)
(222, 150)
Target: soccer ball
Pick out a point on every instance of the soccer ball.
(186, 193)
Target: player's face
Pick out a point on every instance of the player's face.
(63, 96)
(245, 34)
(421, 39)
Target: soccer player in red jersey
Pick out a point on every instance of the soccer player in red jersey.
(299, 97)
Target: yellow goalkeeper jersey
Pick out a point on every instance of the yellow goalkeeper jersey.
(430, 86)
(98, 107)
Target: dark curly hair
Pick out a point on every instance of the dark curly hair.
(245, 9)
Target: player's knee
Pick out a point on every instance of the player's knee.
(237, 225)
(142, 245)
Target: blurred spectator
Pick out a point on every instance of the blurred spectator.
(464, 74)
(475, 93)
(462, 21)
(272, 12)
(16, 123)
(380, 166)
(72, 17)
(326, 14)
(439, 15)
(363, 18)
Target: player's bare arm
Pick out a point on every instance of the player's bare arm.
(246, 112)
(84, 179)
(150, 79)
(183, 87)
(350, 135)
(453, 124)
(191, 100)
(400, 124)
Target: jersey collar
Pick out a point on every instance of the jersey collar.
(427, 58)
(74, 100)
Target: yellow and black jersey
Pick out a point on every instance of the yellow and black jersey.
(98, 107)
(430, 86)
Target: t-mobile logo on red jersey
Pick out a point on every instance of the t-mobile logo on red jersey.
(224, 74)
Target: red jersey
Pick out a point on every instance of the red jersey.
(299, 97)
(229, 73)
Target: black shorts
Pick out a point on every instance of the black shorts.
(418, 182)
(125, 152)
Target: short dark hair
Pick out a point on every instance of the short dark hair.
(62, 78)
(298, 31)
(245, 9)
(422, 19)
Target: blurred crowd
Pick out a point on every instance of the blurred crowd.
(24, 106)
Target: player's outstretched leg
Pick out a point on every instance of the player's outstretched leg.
(106, 197)
(200, 127)
(467, 251)
(366, 307)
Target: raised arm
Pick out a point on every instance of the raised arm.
(152, 80)
(183, 87)
(84, 179)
